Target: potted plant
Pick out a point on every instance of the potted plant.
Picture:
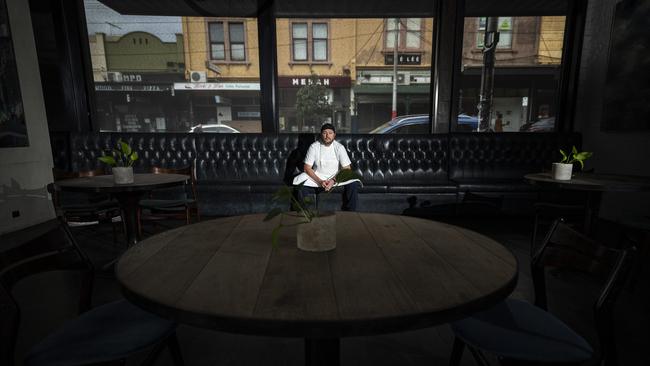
(563, 169)
(316, 231)
(121, 160)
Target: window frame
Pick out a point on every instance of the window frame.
(310, 41)
(226, 40)
(403, 31)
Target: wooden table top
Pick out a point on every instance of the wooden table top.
(105, 183)
(594, 182)
(388, 273)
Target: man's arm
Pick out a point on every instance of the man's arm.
(310, 172)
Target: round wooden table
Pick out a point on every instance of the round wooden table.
(128, 195)
(594, 185)
(388, 273)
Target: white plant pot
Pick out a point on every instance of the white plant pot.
(319, 235)
(123, 175)
(562, 171)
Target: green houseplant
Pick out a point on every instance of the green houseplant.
(317, 225)
(121, 160)
(563, 169)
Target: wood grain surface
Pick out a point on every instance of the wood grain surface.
(388, 273)
(105, 183)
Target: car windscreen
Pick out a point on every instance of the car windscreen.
(382, 128)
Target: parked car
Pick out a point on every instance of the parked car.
(213, 128)
(543, 125)
(419, 123)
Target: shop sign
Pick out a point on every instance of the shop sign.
(131, 88)
(152, 77)
(248, 114)
(217, 86)
(328, 81)
(403, 59)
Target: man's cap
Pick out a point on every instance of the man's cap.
(328, 126)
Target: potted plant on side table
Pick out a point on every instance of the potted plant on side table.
(564, 168)
(121, 160)
(316, 231)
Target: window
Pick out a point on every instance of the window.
(526, 71)
(505, 32)
(235, 38)
(299, 41)
(319, 37)
(167, 73)
(309, 38)
(336, 70)
(409, 33)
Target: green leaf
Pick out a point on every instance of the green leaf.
(583, 155)
(273, 213)
(565, 158)
(107, 160)
(126, 149)
(574, 150)
(582, 165)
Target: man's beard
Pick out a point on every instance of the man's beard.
(327, 143)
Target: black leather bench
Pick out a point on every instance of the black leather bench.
(237, 173)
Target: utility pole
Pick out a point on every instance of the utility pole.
(393, 113)
(490, 42)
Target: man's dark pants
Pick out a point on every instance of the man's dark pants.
(350, 195)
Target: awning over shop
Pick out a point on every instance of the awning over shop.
(217, 86)
(388, 89)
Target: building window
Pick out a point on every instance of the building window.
(227, 45)
(505, 32)
(319, 37)
(303, 41)
(409, 33)
(299, 35)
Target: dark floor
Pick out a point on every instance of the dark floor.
(47, 300)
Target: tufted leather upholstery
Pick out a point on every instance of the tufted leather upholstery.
(237, 172)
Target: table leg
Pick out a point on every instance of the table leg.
(593, 206)
(322, 351)
(129, 206)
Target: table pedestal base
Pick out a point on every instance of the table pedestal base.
(322, 351)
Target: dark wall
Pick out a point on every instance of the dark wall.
(614, 152)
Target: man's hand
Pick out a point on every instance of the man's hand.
(328, 184)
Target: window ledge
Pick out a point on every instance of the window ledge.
(227, 62)
(399, 50)
(327, 63)
(499, 50)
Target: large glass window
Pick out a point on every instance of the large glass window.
(510, 85)
(341, 71)
(173, 74)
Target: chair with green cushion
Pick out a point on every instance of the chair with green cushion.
(111, 332)
(518, 332)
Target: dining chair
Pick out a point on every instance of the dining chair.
(518, 332)
(476, 204)
(81, 209)
(158, 207)
(110, 332)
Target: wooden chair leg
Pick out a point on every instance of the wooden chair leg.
(456, 352)
(139, 220)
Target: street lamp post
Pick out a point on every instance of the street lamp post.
(490, 42)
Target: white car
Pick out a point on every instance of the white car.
(213, 128)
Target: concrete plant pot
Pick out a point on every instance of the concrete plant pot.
(561, 171)
(123, 175)
(319, 235)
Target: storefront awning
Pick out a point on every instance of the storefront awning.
(388, 89)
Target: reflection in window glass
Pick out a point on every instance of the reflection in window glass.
(341, 71)
(173, 74)
(527, 64)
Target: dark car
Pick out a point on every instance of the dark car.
(419, 123)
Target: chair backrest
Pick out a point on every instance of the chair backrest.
(565, 248)
(48, 246)
(189, 170)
